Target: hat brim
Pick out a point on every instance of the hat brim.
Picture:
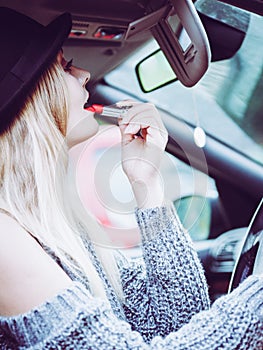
(39, 54)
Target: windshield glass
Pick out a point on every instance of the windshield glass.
(227, 103)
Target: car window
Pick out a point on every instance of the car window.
(227, 103)
(191, 192)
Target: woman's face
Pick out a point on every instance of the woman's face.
(81, 124)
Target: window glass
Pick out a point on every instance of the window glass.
(191, 191)
(227, 103)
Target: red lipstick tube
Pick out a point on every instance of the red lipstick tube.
(112, 111)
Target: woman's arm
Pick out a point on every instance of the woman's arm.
(73, 319)
(164, 295)
(174, 286)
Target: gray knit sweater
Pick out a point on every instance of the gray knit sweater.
(165, 295)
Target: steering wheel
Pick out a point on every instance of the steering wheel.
(250, 260)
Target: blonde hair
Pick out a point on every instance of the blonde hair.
(34, 182)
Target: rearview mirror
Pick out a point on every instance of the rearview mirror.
(154, 71)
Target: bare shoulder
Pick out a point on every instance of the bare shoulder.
(11, 234)
(15, 241)
(28, 276)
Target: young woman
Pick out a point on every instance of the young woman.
(61, 288)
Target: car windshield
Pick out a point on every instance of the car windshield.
(227, 102)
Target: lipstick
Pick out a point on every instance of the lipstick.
(112, 111)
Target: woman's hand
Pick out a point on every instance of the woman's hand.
(144, 138)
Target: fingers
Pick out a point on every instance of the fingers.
(142, 120)
(143, 115)
(126, 137)
(150, 134)
(127, 102)
(142, 112)
(159, 138)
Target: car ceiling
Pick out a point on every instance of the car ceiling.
(98, 55)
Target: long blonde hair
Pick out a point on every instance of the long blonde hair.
(34, 182)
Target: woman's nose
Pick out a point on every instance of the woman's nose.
(82, 75)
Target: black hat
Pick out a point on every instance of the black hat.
(27, 49)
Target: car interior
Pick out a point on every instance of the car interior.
(200, 62)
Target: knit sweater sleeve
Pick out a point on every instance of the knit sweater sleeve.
(165, 293)
(73, 319)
